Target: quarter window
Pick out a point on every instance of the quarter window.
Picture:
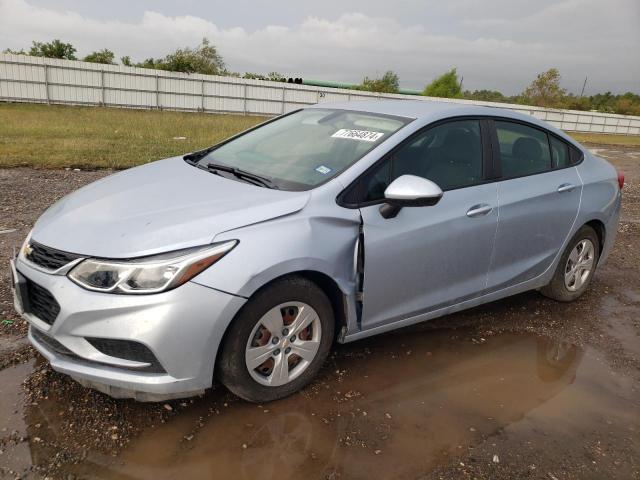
(559, 153)
(449, 155)
(575, 155)
(523, 150)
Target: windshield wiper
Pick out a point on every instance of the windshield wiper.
(193, 157)
(242, 174)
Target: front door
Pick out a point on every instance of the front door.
(429, 257)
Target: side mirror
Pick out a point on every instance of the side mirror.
(409, 191)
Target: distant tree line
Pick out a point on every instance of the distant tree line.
(202, 59)
(544, 90)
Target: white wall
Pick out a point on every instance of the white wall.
(46, 80)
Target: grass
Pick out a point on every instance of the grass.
(94, 137)
(607, 139)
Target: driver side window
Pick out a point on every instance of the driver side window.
(449, 155)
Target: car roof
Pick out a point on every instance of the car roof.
(415, 109)
(430, 111)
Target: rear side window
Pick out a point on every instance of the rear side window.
(523, 150)
(449, 154)
(559, 153)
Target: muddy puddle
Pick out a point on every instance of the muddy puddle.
(15, 453)
(395, 406)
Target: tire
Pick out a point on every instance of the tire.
(293, 301)
(565, 290)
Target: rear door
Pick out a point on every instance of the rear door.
(429, 257)
(539, 198)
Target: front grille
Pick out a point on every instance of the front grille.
(127, 350)
(49, 258)
(41, 303)
(51, 343)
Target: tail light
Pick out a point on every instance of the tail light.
(620, 179)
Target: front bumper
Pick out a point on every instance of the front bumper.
(182, 328)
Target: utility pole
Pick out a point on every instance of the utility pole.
(461, 79)
(583, 85)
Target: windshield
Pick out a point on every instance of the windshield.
(307, 147)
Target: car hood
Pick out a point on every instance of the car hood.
(159, 207)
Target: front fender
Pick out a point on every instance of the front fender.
(285, 245)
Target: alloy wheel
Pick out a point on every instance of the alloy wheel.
(579, 265)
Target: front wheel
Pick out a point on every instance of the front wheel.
(278, 341)
(576, 267)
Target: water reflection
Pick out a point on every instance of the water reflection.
(391, 406)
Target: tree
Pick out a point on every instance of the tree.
(15, 52)
(445, 86)
(603, 102)
(545, 90)
(103, 56)
(54, 49)
(272, 76)
(389, 83)
(150, 63)
(573, 102)
(628, 104)
(202, 59)
(485, 96)
(254, 76)
(276, 77)
(126, 61)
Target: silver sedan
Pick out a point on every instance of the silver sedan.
(247, 260)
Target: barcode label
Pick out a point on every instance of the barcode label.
(362, 135)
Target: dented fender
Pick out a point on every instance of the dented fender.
(293, 243)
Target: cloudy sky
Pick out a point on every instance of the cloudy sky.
(495, 44)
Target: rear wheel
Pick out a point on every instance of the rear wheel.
(576, 267)
(278, 341)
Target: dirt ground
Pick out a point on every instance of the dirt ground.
(520, 388)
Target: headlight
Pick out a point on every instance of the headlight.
(152, 274)
(23, 249)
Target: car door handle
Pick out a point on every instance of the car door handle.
(479, 210)
(566, 187)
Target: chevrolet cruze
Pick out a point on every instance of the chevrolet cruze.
(247, 260)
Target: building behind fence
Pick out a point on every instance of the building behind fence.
(53, 81)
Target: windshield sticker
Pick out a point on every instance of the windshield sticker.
(362, 135)
(323, 169)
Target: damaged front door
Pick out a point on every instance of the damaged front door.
(429, 257)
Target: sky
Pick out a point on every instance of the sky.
(494, 44)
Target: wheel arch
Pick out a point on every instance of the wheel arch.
(338, 298)
(600, 230)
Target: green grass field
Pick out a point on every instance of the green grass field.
(607, 139)
(95, 137)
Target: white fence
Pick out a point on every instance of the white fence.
(45, 80)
